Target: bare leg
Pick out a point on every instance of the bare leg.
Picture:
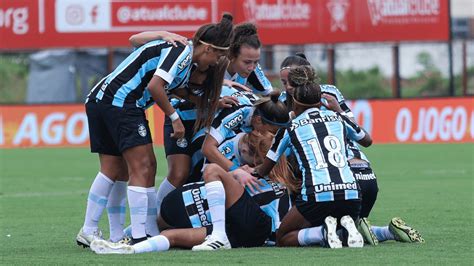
(287, 234)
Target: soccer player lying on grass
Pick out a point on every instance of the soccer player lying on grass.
(252, 215)
(329, 191)
(358, 161)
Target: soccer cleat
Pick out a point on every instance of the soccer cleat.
(85, 240)
(330, 235)
(213, 243)
(101, 246)
(404, 232)
(355, 239)
(365, 230)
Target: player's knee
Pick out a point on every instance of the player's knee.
(177, 176)
(211, 172)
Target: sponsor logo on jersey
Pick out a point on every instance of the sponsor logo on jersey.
(361, 176)
(333, 187)
(199, 201)
(182, 143)
(307, 121)
(142, 130)
(185, 62)
(226, 150)
(234, 121)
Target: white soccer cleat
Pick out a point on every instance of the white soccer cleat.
(355, 239)
(331, 238)
(105, 247)
(85, 240)
(213, 243)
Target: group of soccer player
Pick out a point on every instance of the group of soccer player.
(248, 165)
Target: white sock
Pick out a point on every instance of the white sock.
(165, 188)
(216, 201)
(116, 208)
(138, 204)
(156, 243)
(311, 236)
(96, 202)
(151, 225)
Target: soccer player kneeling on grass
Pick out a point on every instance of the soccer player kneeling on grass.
(329, 191)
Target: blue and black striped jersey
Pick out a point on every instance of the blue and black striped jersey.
(353, 148)
(126, 85)
(318, 140)
(230, 121)
(257, 81)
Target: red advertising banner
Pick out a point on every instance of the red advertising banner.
(418, 120)
(334, 21)
(33, 24)
(446, 120)
(98, 23)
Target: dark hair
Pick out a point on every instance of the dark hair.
(218, 34)
(299, 59)
(295, 60)
(306, 83)
(209, 101)
(244, 34)
(272, 110)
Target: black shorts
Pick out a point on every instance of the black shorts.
(175, 213)
(367, 180)
(316, 212)
(113, 130)
(246, 224)
(178, 146)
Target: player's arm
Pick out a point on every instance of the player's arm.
(210, 150)
(334, 91)
(164, 75)
(141, 38)
(157, 91)
(221, 128)
(278, 148)
(356, 132)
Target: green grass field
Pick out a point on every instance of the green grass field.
(43, 195)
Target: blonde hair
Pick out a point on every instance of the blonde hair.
(259, 144)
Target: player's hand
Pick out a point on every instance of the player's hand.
(331, 103)
(247, 180)
(178, 129)
(174, 38)
(247, 168)
(234, 84)
(228, 102)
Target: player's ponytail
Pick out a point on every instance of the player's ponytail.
(244, 34)
(216, 34)
(271, 110)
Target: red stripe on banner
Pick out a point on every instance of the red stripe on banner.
(36, 24)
